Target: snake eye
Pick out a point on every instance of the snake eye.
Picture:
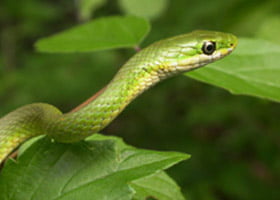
(208, 47)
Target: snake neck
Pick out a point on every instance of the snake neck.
(129, 82)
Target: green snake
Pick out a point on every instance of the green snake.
(149, 66)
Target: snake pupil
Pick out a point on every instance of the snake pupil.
(209, 47)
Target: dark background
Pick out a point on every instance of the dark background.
(234, 140)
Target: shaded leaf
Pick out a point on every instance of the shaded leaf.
(99, 168)
(157, 186)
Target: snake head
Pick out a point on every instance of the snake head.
(196, 49)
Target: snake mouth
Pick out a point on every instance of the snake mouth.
(230, 50)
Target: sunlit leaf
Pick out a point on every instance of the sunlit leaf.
(269, 29)
(99, 34)
(253, 69)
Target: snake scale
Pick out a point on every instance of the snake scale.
(149, 66)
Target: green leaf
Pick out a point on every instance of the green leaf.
(269, 29)
(252, 69)
(144, 8)
(157, 186)
(99, 34)
(87, 7)
(98, 168)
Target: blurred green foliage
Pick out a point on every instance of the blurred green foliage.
(86, 8)
(234, 140)
(144, 8)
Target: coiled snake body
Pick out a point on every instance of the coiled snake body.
(154, 63)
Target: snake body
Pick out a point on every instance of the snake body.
(154, 63)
